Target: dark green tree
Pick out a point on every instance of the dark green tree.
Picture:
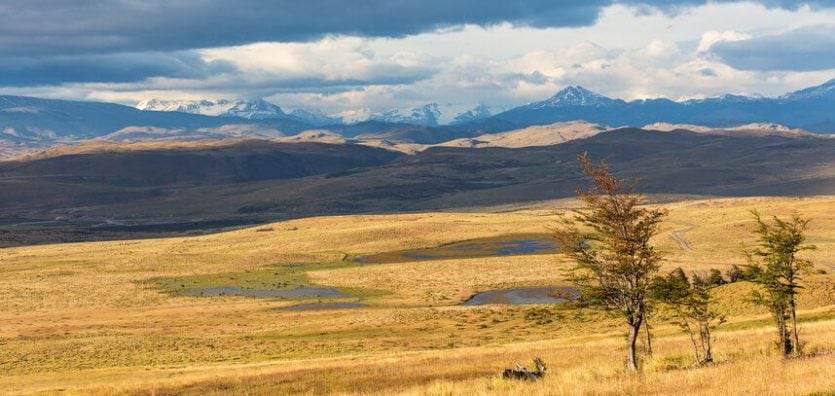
(694, 310)
(774, 264)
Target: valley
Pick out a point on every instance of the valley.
(123, 317)
(442, 198)
(158, 261)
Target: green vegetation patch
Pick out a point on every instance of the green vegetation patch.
(279, 281)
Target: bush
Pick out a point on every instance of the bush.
(735, 274)
(714, 278)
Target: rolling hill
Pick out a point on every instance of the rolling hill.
(538, 135)
(208, 163)
(154, 189)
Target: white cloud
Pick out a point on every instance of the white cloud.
(712, 37)
(625, 54)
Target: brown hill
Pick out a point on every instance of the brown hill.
(538, 135)
(262, 181)
(152, 164)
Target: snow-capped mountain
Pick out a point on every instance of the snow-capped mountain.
(569, 104)
(826, 90)
(315, 117)
(51, 120)
(355, 116)
(576, 96)
(809, 109)
(726, 98)
(479, 112)
(251, 109)
(426, 115)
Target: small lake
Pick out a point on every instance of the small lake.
(507, 245)
(322, 306)
(524, 296)
(301, 291)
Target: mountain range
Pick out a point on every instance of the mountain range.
(426, 115)
(28, 123)
(810, 108)
(251, 109)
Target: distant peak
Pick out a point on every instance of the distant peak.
(250, 108)
(576, 90)
(576, 95)
(825, 89)
(425, 115)
(479, 112)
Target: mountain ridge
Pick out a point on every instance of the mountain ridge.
(243, 182)
(810, 109)
(28, 123)
(571, 103)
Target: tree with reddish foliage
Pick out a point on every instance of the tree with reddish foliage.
(610, 243)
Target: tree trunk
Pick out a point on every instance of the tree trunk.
(632, 339)
(649, 337)
(706, 342)
(785, 337)
(797, 349)
(695, 346)
(686, 325)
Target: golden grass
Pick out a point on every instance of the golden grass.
(86, 317)
(576, 366)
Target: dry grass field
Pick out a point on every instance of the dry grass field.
(124, 317)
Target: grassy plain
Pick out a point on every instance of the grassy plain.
(111, 317)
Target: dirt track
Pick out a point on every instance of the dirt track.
(683, 243)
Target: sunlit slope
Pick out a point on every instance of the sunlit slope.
(112, 316)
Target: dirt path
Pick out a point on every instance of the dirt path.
(682, 243)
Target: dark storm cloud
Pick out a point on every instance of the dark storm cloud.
(678, 5)
(52, 42)
(117, 68)
(804, 49)
(52, 27)
(39, 27)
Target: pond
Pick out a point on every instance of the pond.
(300, 291)
(322, 306)
(524, 296)
(506, 245)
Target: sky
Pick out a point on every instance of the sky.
(343, 55)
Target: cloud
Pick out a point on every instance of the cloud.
(329, 65)
(117, 68)
(804, 49)
(344, 61)
(712, 37)
(676, 6)
(52, 27)
(657, 49)
(47, 27)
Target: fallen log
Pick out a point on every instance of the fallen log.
(522, 373)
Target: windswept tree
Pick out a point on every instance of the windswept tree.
(694, 310)
(610, 242)
(774, 264)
